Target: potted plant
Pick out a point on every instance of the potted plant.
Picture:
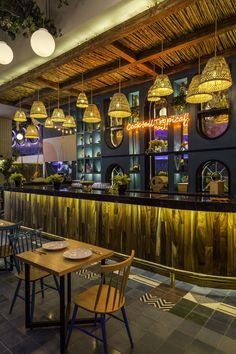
(17, 178)
(56, 180)
(121, 182)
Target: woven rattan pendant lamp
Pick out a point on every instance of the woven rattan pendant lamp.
(195, 95)
(20, 115)
(82, 100)
(38, 109)
(216, 75)
(119, 106)
(152, 96)
(162, 85)
(69, 119)
(91, 113)
(58, 115)
(32, 132)
(48, 122)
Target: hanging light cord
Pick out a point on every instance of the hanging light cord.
(199, 64)
(162, 69)
(58, 96)
(69, 105)
(119, 77)
(91, 94)
(215, 8)
(82, 81)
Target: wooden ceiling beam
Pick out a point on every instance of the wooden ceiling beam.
(189, 40)
(145, 18)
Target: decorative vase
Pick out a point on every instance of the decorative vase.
(56, 185)
(122, 188)
(17, 183)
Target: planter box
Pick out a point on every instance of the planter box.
(217, 187)
(182, 187)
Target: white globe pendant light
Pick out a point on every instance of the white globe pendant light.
(6, 53)
(42, 43)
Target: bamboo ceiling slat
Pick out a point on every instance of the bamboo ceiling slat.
(174, 27)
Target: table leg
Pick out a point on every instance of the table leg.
(62, 316)
(27, 296)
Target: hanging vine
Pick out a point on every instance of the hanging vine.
(24, 17)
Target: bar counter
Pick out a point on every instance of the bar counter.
(189, 232)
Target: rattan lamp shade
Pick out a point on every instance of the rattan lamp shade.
(32, 132)
(91, 114)
(162, 86)
(49, 123)
(58, 115)
(82, 100)
(216, 75)
(69, 122)
(195, 95)
(20, 116)
(38, 110)
(119, 106)
(152, 96)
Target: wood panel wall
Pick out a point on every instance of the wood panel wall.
(198, 241)
(5, 137)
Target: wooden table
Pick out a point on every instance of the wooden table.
(4, 223)
(54, 263)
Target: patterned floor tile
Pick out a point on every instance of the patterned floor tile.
(157, 302)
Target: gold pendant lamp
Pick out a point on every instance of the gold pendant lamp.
(195, 94)
(119, 106)
(152, 96)
(82, 100)
(162, 85)
(48, 122)
(91, 113)
(38, 109)
(20, 115)
(216, 75)
(58, 115)
(32, 132)
(69, 119)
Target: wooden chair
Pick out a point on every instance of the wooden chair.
(22, 242)
(6, 232)
(105, 299)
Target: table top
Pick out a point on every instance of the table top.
(54, 262)
(4, 223)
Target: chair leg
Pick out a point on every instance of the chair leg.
(5, 263)
(127, 326)
(57, 283)
(70, 328)
(95, 319)
(42, 287)
(32, 301)
(11, 263)
(104, 336)
(15, 295)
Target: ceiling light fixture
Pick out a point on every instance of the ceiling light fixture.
(119, 106)
(82, 100)
(6, 53)
(162, 85)
(216, 75)
(91, 113)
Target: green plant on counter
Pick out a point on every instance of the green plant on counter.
(185, 179)
(162, 173)
(16, 177)
(55, 178)
(121, 180)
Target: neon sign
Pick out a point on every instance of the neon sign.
(161, 123)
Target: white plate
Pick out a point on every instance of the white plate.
(55, 245)
(77, 253)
